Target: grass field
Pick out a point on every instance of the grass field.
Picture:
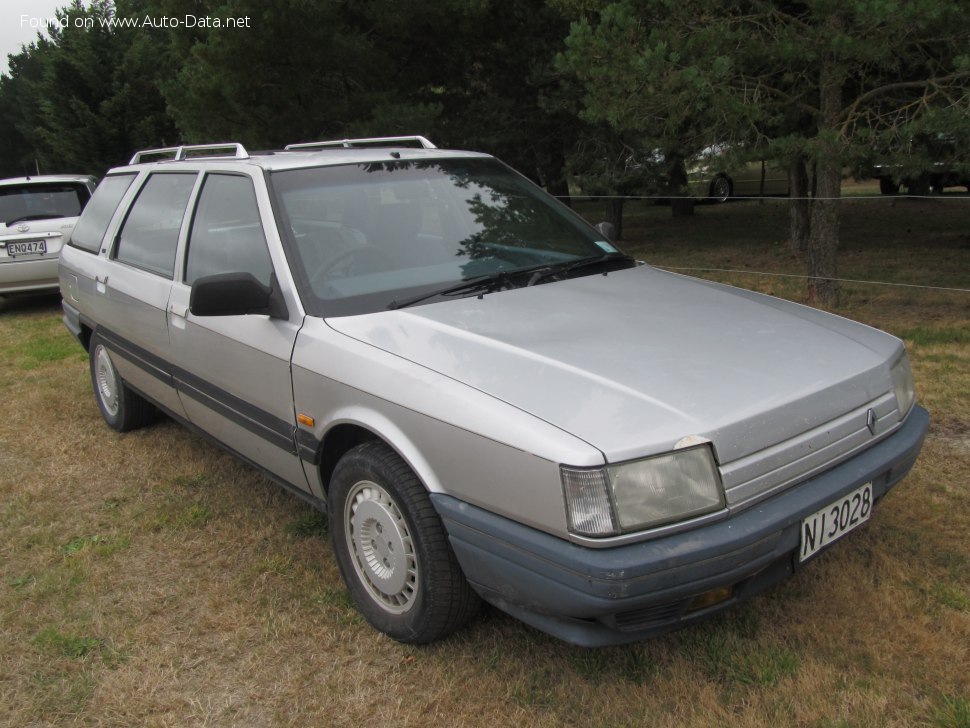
(150, 579)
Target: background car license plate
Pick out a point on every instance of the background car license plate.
(31, 247)
(835, 520)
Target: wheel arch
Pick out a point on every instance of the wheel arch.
(355, 427)
(85, 336)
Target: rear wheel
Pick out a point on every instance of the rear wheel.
(121, 408)
(721, 189)
(392, 549)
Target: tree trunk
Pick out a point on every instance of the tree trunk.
(823, 236)
(559, 188)
(681, 204)
(552, 172)
(823, 239)
(798, 206)
(614, 216)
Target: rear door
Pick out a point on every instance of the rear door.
(233, 372)
(131, 290)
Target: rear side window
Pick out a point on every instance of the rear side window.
(90, 229)
(150, 233)
(227, 234)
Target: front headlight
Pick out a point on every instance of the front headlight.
(903, 385)
(642, 494)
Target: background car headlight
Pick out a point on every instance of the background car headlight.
(903, 385)
(642, 494)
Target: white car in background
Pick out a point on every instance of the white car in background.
(38, 215)
(719, 176)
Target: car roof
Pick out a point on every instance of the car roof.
(48, 179)
(298, 156)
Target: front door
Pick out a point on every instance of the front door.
(233, 372)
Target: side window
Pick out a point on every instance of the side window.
(94, 221)
(150, 233)
(227, 234)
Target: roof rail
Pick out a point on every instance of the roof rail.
(351, 143)
(238, 151)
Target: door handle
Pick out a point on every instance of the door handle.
(178, 310)
(101, 284)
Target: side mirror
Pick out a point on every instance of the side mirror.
(606, 230)
(235, 294)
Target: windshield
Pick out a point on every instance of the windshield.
(41, 201)
(365, 237)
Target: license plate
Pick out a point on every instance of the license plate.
(31, 247)
(835, 520)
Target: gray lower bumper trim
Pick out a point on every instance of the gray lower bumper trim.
(583, 595)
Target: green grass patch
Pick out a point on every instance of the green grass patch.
(632, 663)
(951, 711)
(928, 336)
(724, 653)
(952, 597)
(66, 645)
(97, 545)
(312, 524)
(36, 341)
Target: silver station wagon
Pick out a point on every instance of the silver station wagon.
(488, 398)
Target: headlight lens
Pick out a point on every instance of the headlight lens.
(644, 493)
(903, 384)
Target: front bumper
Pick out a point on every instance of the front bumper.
(598, 597)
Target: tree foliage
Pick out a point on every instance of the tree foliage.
(823, 82)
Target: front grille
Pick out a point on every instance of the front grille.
(756, 476)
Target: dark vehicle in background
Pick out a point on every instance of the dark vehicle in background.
(38, 215)
(929, 165)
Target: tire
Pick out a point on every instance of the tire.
(121, 408)
(721, 189)
(392, 549)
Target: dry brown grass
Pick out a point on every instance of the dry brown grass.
(149, 579)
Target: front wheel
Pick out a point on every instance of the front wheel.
(392, 549)
(121, 408)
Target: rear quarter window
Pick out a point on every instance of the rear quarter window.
(90, 229)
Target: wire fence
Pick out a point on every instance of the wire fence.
(813, 278)
(949, 196)
(964, 197)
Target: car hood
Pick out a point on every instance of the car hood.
(635, 361)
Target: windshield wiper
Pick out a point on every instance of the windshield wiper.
(484, 283)
(35, 216)
(504, 278)
(563, 270)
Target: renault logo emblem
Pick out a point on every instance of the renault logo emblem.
(23, 228)
(871, 421)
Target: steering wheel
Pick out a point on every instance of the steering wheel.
(368, 255)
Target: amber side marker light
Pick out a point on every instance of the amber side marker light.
(305, 420)
(710, 598)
